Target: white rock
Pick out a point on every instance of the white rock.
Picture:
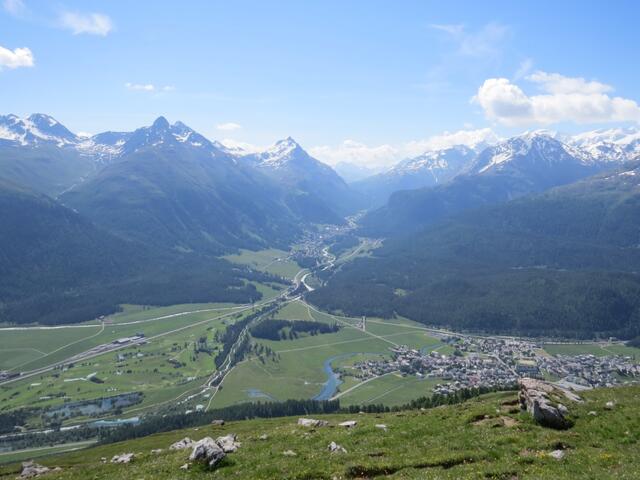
(184, 467)
(156, 451)
(183, 444)
(289, 453)
(123, 458)
(335, 448)
(348, 424)
(557, 454)
(609, 405)
(381, 426)
(207, 450)
(312, 422)
(228, 443)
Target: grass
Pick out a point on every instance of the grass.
(297, 371)
(597, 349)
(392, 389)
(448, 442)
(272, 261)
(142, 368)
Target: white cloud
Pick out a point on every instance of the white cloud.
(90, 23)
(14, 7)
(142, 87)
(228, 126)
(485, 42)
(385, 155)
(468, 137)
(564, 99)
(351, 151)
(148, 87)
(19, 57)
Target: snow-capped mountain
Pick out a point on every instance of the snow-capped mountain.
(162, 133)
(533, 152)
(611, 145)
(289, 164)
(35, 130)
(426, 170)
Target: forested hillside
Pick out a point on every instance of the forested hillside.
(564, 262)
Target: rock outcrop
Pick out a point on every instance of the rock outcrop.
(541, 400)
(312, 422)
(123, 458)
(183, 444)
(348, 424)
(228, 443)
(31, 469)
(207, 451)
(335, 448)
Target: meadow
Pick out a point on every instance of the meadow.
(485, 437)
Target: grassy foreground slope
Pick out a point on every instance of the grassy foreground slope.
(486, 437)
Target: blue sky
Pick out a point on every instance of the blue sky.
(366, 80)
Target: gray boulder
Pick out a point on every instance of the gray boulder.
(183, 444)
(335, 448)
(540, 400)
(312, 422)
(207, 451)
(31, 469)
(123, 458)
(228, 443)
(348, 424)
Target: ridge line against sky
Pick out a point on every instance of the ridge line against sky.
(367, 82)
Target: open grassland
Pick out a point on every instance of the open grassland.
(391, 389)
(598, 349)
(272, 261)
(176, 360)
(484, 438)
(298, 368)
(45, 346)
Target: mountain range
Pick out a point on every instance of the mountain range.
(521, 165)
(466, 227)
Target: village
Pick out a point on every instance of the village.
(479, 362)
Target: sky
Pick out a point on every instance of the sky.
(368, 81)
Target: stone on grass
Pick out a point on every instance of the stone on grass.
(312, 422)
(535, 398)
(228, 443)
(207, 451)
(609, 405)
(264, 436)
(289, 453)
(335, 448)
(381, 426)
(156, 451)
(184, 467)
(31, 469)
(183, 444)
(122, 458)
(217, 423)
(348, 424)
(592, 413)
(557, 454)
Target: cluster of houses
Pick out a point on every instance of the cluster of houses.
(499, 362)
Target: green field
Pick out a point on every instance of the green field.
(272, 261)
(41, 347)
(448, 442)
(600, 350)
(392, 389)
(164, 369)
(298, 371)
